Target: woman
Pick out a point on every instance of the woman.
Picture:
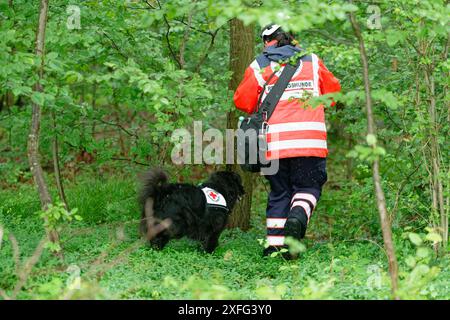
(296, 135)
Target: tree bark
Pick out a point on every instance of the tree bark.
(381, 201)
(33, 137)
(242, 44)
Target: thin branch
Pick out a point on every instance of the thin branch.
(131, 160)
(332, 37)
(131, 134)
(400, 190)
(56, 166)
(99, 268)
(150, 5)
(205, 56)
(71, 233)
(447, 45)
(174, 56)
(16, 251)
(25, 271)
(209, 32)
(185, 38)
(172, 52)
(414, 47)
(136, 8)
(379, 193)
(115, 46)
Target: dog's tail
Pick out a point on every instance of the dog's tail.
(151, 181)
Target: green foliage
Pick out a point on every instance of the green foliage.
(422, 266)
(54, 217)
(295, 246)
(58, 214)
(116, 88)
(367, 153)
(332, 268)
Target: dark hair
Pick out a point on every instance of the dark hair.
(283, 38)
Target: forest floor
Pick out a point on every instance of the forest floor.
(342, 260)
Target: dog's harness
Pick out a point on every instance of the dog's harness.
(215, 199)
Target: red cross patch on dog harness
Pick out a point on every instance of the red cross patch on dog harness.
(214, 198)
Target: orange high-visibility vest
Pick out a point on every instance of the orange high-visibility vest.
(295, 129)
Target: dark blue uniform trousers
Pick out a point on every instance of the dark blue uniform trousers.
(295, 191)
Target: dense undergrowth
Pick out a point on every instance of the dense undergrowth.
(344, 257)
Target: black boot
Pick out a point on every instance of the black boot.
(296, 223)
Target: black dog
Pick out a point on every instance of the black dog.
(175, 210)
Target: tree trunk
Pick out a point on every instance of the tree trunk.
(33, 137)
(6, 100)
(242, 44)
(437, 188)
(381, 201)
(56, 167)
(432, 153)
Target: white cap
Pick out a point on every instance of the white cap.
(270, 30)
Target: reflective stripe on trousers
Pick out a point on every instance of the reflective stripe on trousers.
(298, 183)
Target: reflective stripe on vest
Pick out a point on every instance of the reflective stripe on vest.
(295, 130)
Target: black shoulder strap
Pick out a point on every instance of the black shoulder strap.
(264, 89)
(272, 98)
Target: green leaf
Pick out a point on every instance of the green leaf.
(21, 90)
(379, 151)
(148, 87)
(415, 238)
(393, 37)
(54, 247)
(422, 252)
(73, 77)
(165, 101)
(51, 55)
(371, 139)
(433, 237)
(295, 246)
(38, 98)
(410, 261)
(110, 65)
(422, 269)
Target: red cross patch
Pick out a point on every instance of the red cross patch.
(213, 196)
